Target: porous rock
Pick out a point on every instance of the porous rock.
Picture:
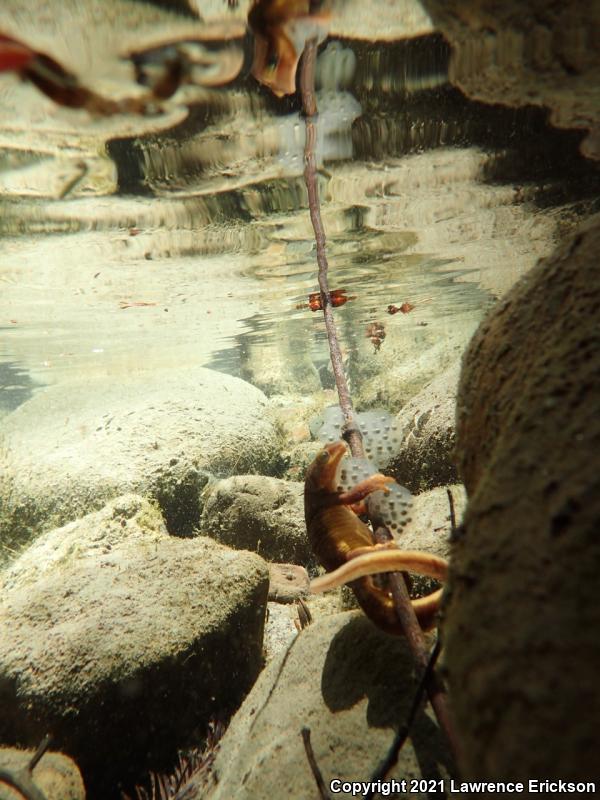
(522, 646)
(351, 685)
(287, 582)
(265, 515)
(426, 452)
(74, 446)
(122, 640)
(55, 775)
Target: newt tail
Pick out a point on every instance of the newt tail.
(345, 546)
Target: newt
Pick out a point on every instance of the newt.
(346, 547)
(281, 29)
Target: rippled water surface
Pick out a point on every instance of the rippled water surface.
(132, 244)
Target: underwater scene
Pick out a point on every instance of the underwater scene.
(299, 394)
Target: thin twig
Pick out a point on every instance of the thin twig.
(406, 614)
(452, 512)
(41, 749)
(310, 755)
(309, 106)
(402, 734)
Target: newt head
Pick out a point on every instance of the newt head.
(320, 487)
(322, 472)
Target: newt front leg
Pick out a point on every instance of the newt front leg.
(345, 546)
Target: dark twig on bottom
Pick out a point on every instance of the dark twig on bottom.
(310, 755)
(452, 512)
(403, 733)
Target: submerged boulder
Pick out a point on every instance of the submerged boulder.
(352, 686)
(254, 512)
(527, 53)
(425, 456)
(521, 632)
(122, 640)
(74, 446)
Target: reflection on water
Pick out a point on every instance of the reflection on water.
(201, 249)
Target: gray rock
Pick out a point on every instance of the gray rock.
(55, 775)
(122, 640)
(351, 685)
(430, 528)
(287, 582)
(279, 629)
(426, 455)
(523, 618)
(265, 515)
(74, 446)
(300, 457)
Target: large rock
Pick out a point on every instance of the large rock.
(430, 529)
(352, 686)
(74, 446)
(252, 512)
(426, 455)
(352, 19)
(122, 640)
(523, 618)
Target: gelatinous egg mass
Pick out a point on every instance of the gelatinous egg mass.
(390, 508)
(352, 471)
(381, 434)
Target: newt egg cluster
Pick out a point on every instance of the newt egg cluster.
(391, 508)
(381, 433)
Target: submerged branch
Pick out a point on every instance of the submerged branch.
(309, 106)
(310, 755)
(406, 614)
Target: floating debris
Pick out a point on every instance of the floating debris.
(405, 308)
(135, 304)
(338, 298)
(375, 331)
